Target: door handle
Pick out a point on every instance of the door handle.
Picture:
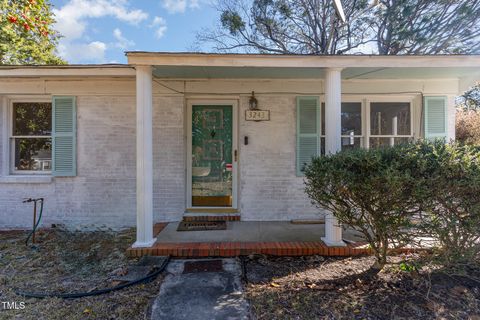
(235, 155)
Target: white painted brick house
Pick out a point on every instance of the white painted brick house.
(168, 133)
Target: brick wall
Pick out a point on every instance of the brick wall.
(269, 187)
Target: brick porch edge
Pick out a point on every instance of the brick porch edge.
(232, 249)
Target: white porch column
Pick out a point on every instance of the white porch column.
(333, 136)
(144, 158)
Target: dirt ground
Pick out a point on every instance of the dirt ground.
(335, 288)
(277, 288)
(70, 262)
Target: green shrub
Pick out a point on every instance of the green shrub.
(372, 191)
(450, 199)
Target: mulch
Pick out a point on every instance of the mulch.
(344, 288)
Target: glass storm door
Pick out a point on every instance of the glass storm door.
(212, 156)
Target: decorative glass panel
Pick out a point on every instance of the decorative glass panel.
(33, 154)
(32, 119)
(390, 118)
(212, 162)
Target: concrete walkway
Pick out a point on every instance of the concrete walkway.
(201, 295)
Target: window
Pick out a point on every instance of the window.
(390, 123)
(31, 137)
(311, 129)
(351, 126)
(384, 121)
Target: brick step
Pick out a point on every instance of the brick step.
(233, 249)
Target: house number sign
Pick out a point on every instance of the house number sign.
(257, 115)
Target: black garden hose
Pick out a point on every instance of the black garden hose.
(147, 278)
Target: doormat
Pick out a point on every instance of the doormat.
(203, 266)
(201, 225)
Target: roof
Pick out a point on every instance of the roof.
(189, 65)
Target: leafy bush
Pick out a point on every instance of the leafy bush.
(372, 191)
(451, 199)
(467, 126)
(394, 194)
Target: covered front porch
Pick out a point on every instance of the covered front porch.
(332, 76)
(279, 238)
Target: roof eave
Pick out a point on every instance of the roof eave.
(307, 61)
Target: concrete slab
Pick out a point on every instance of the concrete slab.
(203, 295)
(251, 231)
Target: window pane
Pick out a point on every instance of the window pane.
(380, 142)
(350, 143)
(33, 154)
(402, 140)
(32, 119)
(323, 118)
(390, 118)
(351, 118)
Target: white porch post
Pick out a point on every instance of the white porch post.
(144, 158)
(333, 136)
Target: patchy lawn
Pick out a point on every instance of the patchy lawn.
(277, 288)
(70, 262)
(334, 288)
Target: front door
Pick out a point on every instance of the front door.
(213, 154)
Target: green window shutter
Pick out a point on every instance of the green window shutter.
(308, 131)
(64, 136)
(436, 110)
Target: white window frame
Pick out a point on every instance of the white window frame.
(388, 99)
(366, 100)
(9, 167)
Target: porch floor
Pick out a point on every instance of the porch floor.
(280, 238)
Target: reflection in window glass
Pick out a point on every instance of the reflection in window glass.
(403, 140)
(379, 142)
(351, 118)
(390, 118)
(32, 119)
(31, 142)
(384, 142)
(33, 154)
(351, 143)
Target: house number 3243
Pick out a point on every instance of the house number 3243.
(257, 115)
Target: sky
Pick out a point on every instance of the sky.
(100, 31)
